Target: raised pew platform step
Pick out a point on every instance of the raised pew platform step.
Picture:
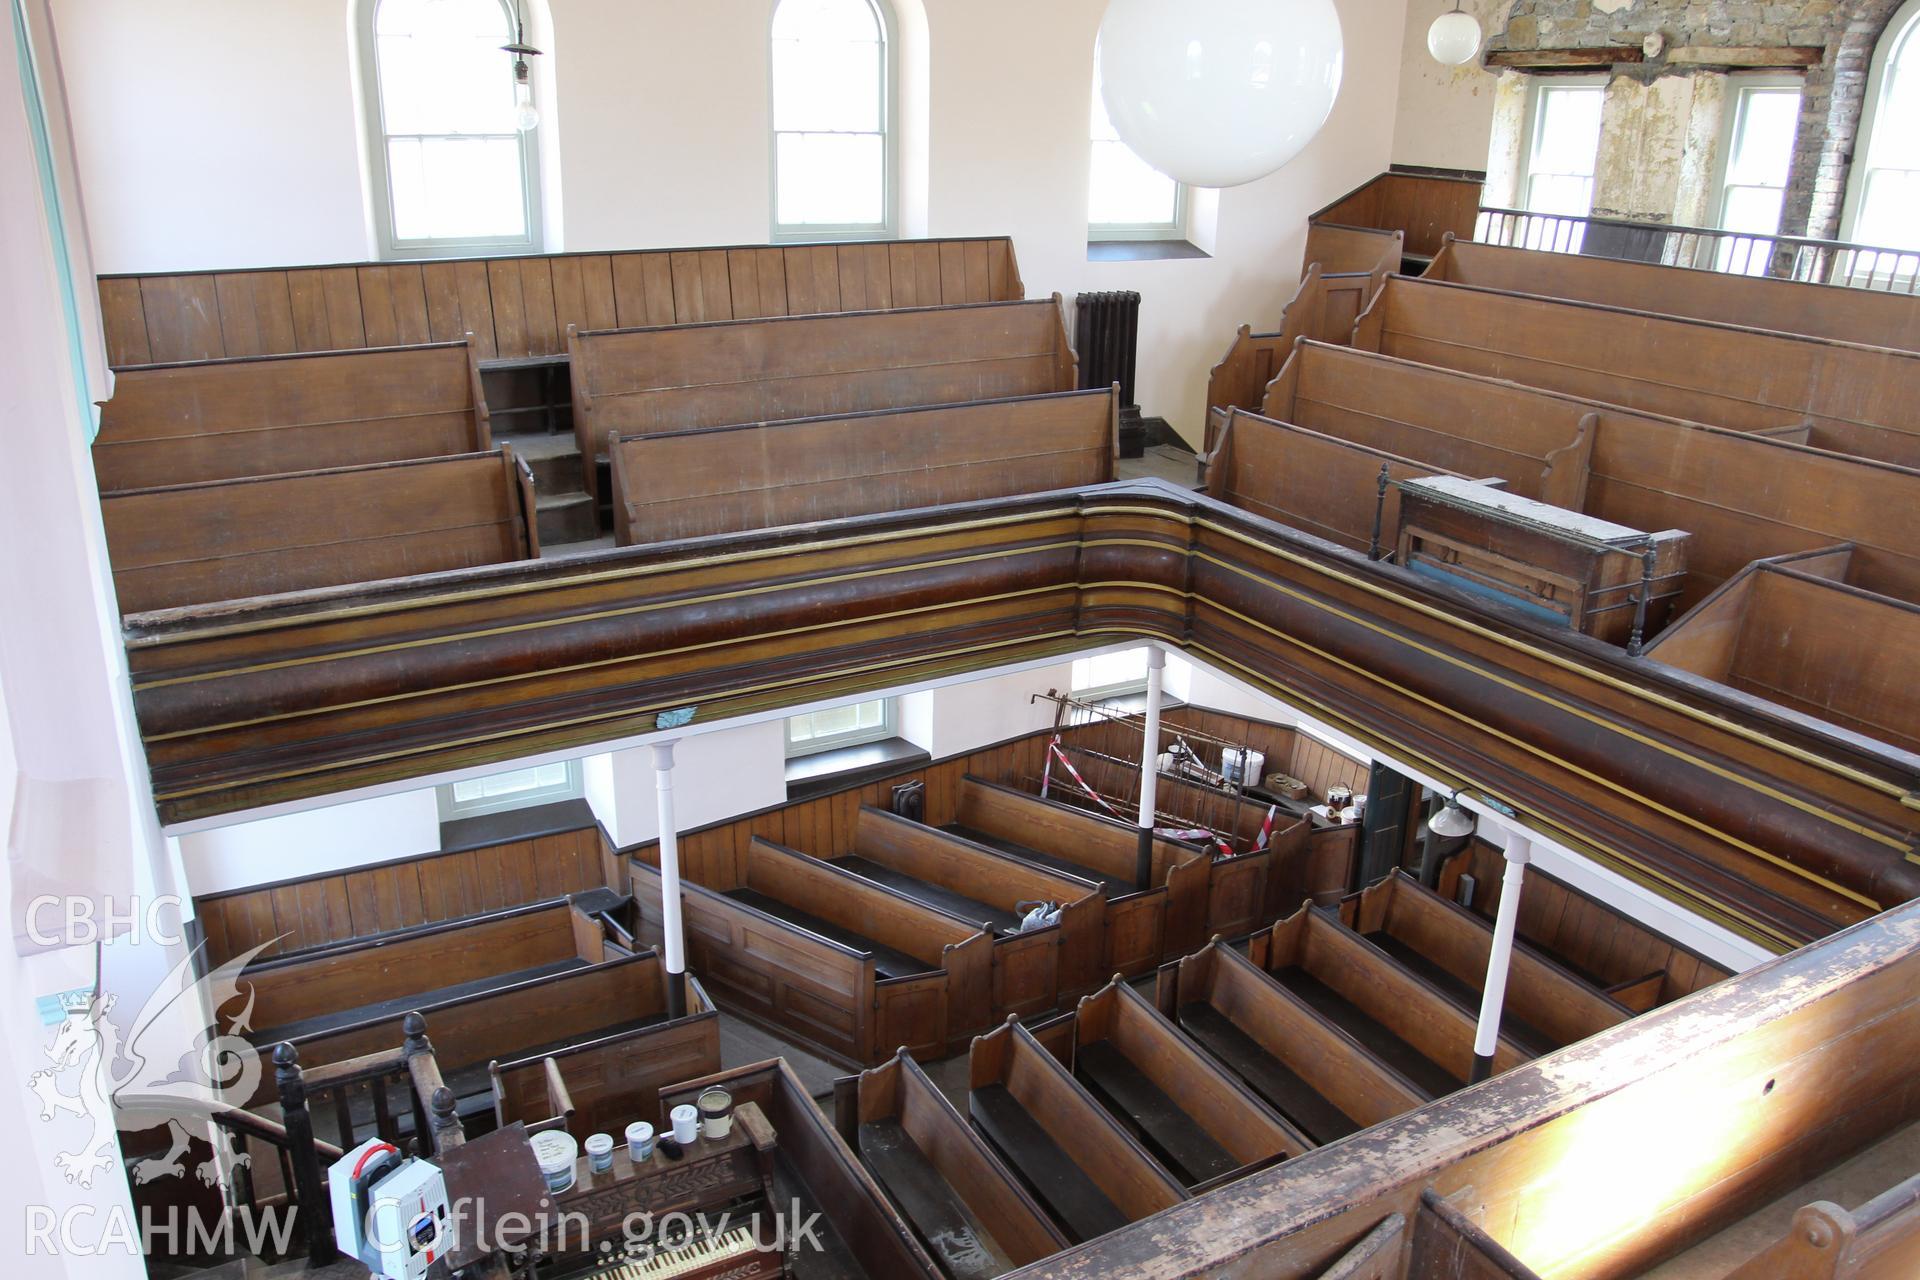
(1173, 1136)
(1424, 1073)
(1110, 886)
(407, 1004)
(936, 896)
(888, 963)
(958, 1241)
(1266, 1075)
(1519, 1031)
(1080, 1207)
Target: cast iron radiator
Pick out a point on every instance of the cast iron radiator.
(1106, 335)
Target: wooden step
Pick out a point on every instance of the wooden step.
(566, 518)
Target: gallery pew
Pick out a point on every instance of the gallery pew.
(1871, 317)
(1197, 1119)
(1396, 1015)
(1424, 207)
(1324, 308)
(1032, 968)
(1856, 399)
(1546, 1008)
(841, 964)
(187, 423)
(603, 1084)
(1322, 1080)
(1794, 631)
(629, 382)
(967, 1208)
(1739, 495)
(265, 535)
(1878, 1240)
(1079, 1162)
(717, 480)
(817, 1173)
(1061, 839)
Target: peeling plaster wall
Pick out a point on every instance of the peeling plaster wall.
(1446, 113)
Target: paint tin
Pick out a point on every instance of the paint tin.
(716, 1114)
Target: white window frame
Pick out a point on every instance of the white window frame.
(889, 727)
(451, 810)
(1536, 105)
(1127, 232)
(1104, 692)
(381, 189)
(1744, 88)
(1902, 32)
(801, 232)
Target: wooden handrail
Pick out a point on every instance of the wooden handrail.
(269, 1131)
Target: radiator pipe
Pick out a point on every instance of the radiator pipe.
(1149, 766)
(1493, 996)
(673, 938)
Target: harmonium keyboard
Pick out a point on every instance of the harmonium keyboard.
(717, 1196)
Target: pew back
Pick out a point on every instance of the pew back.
(1426, 206)
(232, 539)
(266, 415)
(684, 484)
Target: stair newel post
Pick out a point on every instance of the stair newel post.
(310, 1188)
(1379, 510)
(447, 1132)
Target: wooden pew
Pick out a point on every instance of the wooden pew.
(1546, 1007)
(1324, 308)
(1880, 1240)
(1848, 661)
(1322, 1080)
(1425, 207)
(519, 306)
(265, 535)
(630, 382)
(326, 989)
(966, 1207)
(1032, 969)
(1856, 399)
(861, 1233)
(602, 1085)
(1061, 839)
(204, 420)
(1739, 495)
(716, 480)
(1198, 1120)
(1078, 1161)
(1395, 1014)
(841, 964)
(1871, 317)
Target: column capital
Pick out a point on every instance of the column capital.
(1156, 657)
(663, 753)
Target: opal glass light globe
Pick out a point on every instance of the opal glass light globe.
(1454, 38)
(1214, 93)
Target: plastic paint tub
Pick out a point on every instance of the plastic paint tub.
(556, 1150)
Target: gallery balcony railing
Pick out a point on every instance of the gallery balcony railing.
(1858, 266)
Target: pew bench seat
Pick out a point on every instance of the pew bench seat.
(1081, 1209)
(1174, 1137)
(401, 1005)
(1516, 1029)
(1111, 886)
(1425, 1074)
(963, 1245)
(999, 922)
(1277, 1084)
(887, 962)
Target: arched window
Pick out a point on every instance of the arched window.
(1883, 204)
(833, 85)
(452, 174)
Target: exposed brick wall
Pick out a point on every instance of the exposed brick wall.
(1830, 110)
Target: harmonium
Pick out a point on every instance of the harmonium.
(708, 1214)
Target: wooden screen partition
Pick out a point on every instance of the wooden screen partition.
(1857, 399)
(1807, 642)
(648, 380)
(685, 484)
(265, 415)
(521, 306)
(1426, 207)
(266, 535)
(1871, 317)
(1738, 496)
(1340, 251)
(604, 1084)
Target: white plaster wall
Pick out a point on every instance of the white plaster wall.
(1444, 117)
(313, 842)
(715, 776)
(964, 717)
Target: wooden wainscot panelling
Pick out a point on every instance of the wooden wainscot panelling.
(1773, 825)
(1425, 207)
(520, 306)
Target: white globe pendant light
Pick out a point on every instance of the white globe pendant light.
(1214, 93)
(1454, 37)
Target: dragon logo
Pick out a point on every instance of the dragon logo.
(175, 1063)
